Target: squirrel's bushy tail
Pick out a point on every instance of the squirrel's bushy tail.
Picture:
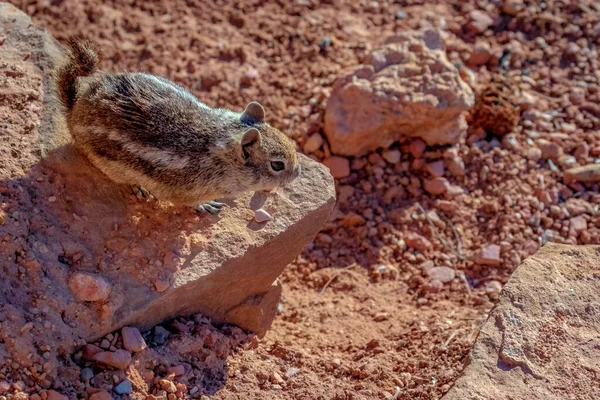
(82, 59)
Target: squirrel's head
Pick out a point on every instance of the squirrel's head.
(268, 156)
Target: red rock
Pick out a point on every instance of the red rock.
(436, 168)
(587, 174)
(53, 395)
(582, 151)
(103, 395)
(550, 150)
(417, 241)
(176, 370)
(512, 7)
(161, 285)
(119, 359)
(89, 287)
(456, 166)
(90, 351)
(480, 21)
(436, 186)
(132, 339)
(417, 148)
(481, 54)
(392, 156)
(313, 143)
(338, 166)
(578, 206)
(489, 255)
(442, 274)
(577, 225)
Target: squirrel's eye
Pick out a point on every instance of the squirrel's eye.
(277, 165)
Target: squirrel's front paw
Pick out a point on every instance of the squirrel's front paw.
(141, 193)
(212, 207)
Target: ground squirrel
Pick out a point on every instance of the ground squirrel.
(148, 132)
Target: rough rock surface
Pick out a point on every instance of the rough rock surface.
(542, 340)
(61, 217)
(407, 88)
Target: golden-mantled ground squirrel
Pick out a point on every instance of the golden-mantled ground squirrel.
(148, 132)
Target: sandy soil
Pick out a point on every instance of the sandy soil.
(361, 317)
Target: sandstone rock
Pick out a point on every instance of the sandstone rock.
(119, 359)
(102, 395)
(481, 54)
(542, 334)
(417, 241)
(407, 88)
(338, 166)
(489, 255)
(53, 395)
(132, 339)
(261, 215)
(549, 149)
(436, 186)
(479, 21)
(89, 287)
(313, 143)
(577, 225)
(441, 274)
(225, 266)
(586, 174)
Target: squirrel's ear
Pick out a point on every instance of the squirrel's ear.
(253, 114)
(251, 137)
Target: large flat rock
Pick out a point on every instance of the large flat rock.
(542, 340)
(80, 257)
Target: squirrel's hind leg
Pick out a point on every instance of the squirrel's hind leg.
(212, 207)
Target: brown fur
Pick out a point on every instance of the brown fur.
(146, 131)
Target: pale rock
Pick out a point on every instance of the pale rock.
(456, 166)
(479, 21)
(417, 148)
(512, 7)
(167, 385)
(406, 88)
(4, 387)
(417, 241)
(436, 186)
(441, 274)
(89, 287)
(53, 395)
(493, 287)
(392, 156)
(489, 255)
(534, 154)
(577, 225)
(578, 206)
(132, 339)
(261, 215)
(119, 359)
(338, 166)
(481, 54)
(546, 322)
(436, 168)
(587, 174)
(313, 143)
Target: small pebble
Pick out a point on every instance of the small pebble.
(262, 216)
(124, 387)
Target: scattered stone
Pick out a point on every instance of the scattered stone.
(456, 166)
(417, 241)
(338, 166)
(479, 21)
(105, 344)
(261, 215)
(102, 395)
(436, 168)
(89, 287)
(53, 395)
(577, 207)
(119, 359)
(160, 335)
(417, 148)
(167, 385)
(481, 54)
(587, 174)
(249, 77)
(382, 316)
(392, 156)
(534, 154)
(87, 374)
(313, 143)
(177, 370)
(291, 372)
(436, 186)
(125, 387)
(493, 287)
(90, 351)
(276, 378)
(550, 150)
(396, 94)
(161, 285)
(577, 225)
(4, 386)
(489, 255)
(132, 339)
(442, 274)
(512, 7)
